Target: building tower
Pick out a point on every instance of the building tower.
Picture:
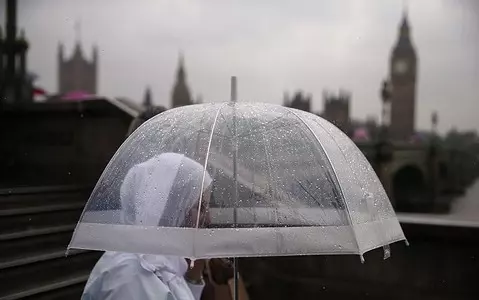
(298, 101)
(77, 73)
(147, 99)
(181, 94)
(15, 82)
(403, 74)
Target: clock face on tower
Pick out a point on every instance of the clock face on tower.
(400, 66)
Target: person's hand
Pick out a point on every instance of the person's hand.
(195, 274)
(221, 269)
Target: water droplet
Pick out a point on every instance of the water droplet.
(387, 251)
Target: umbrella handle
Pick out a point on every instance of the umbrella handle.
(208, 271)
(235, 278)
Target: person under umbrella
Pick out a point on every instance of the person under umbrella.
(163, 191)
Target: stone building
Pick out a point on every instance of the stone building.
(77, 73)
(299, 101)
(336, 109)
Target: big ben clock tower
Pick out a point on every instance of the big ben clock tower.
(403, 74)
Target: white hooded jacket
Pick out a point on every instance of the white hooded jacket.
(158, 192)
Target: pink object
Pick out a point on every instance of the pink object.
(361, 134)
(418, 138)
(76, 96)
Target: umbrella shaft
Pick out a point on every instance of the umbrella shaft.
(235, 177)
(235, 278)
(235, 169)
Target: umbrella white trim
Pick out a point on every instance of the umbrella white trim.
(246, 242)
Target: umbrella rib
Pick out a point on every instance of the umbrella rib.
(206, 164)
(220, 150)
(335, 175)
(226, 124)
(271, 189)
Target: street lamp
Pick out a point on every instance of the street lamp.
(433, 161)
(433, 140)
(384, 147)
(434, 121)
(386, 95)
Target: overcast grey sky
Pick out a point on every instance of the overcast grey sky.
(272, 46)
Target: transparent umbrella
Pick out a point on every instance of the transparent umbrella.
(238, 180)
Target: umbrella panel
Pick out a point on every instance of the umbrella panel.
(276, 186)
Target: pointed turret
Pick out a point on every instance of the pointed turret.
(181, 93)
(147, 99)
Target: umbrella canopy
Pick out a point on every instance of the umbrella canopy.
(237, 179)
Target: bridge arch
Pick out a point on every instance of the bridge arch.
(409, 188)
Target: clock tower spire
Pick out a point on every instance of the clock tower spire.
(403, 74)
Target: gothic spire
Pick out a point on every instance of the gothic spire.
(404, 40)
(77, 28)
(181, 94)
(404, 29)
(147, 99)
(180, 73)
(78, 50)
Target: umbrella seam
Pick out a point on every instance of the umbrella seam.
(204, 174)
(335, 175)
(206, 163)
